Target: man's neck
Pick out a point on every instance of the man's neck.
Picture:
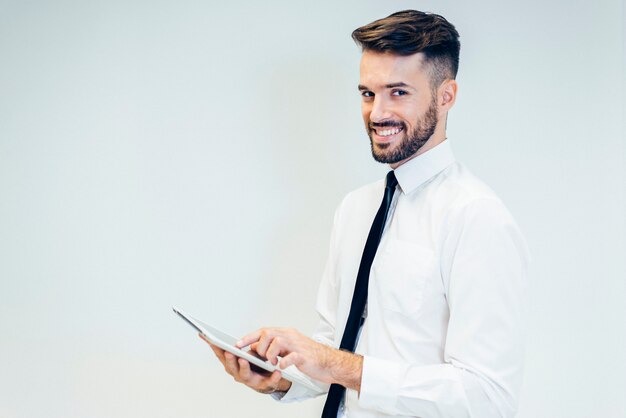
(432, 142)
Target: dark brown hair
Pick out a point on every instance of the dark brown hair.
(411, 31)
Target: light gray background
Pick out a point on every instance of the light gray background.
(156, 153)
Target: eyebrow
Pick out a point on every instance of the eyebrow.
(387, 86)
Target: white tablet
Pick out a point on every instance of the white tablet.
(227, 342)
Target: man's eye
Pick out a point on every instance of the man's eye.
(367, 94)
(399, 92)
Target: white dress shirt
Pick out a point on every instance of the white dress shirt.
(444, 331)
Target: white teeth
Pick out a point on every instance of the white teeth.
(388, 132)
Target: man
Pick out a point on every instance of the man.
(421, 310)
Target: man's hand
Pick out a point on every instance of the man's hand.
(318, 361)
(240, 369)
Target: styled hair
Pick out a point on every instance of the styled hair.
(411, 31)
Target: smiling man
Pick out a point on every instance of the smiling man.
(422, 301)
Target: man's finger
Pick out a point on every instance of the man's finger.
(277, 347)
(232, 367)
(218, 351)
(249, 338)
(244, 370)
(288, 360)
(264, 342)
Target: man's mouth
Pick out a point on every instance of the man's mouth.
(387, 131)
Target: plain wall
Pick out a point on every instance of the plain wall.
(192, 153)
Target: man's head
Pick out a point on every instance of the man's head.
(409, 63)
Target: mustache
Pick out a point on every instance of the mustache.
(385, 124)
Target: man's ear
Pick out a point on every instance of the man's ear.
(446, 95)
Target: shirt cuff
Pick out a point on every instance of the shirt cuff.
(380, 383)
(295, 393)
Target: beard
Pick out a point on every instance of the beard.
(410, 143)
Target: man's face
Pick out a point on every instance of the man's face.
(398, 105)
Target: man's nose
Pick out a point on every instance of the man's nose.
(380, 111)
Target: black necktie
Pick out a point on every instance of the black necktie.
(359, 298)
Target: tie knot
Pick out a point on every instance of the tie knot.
(391, 180)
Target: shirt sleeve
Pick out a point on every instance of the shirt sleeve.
(484, 262)
(326, 307)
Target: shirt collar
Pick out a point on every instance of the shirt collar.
(417, 171)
